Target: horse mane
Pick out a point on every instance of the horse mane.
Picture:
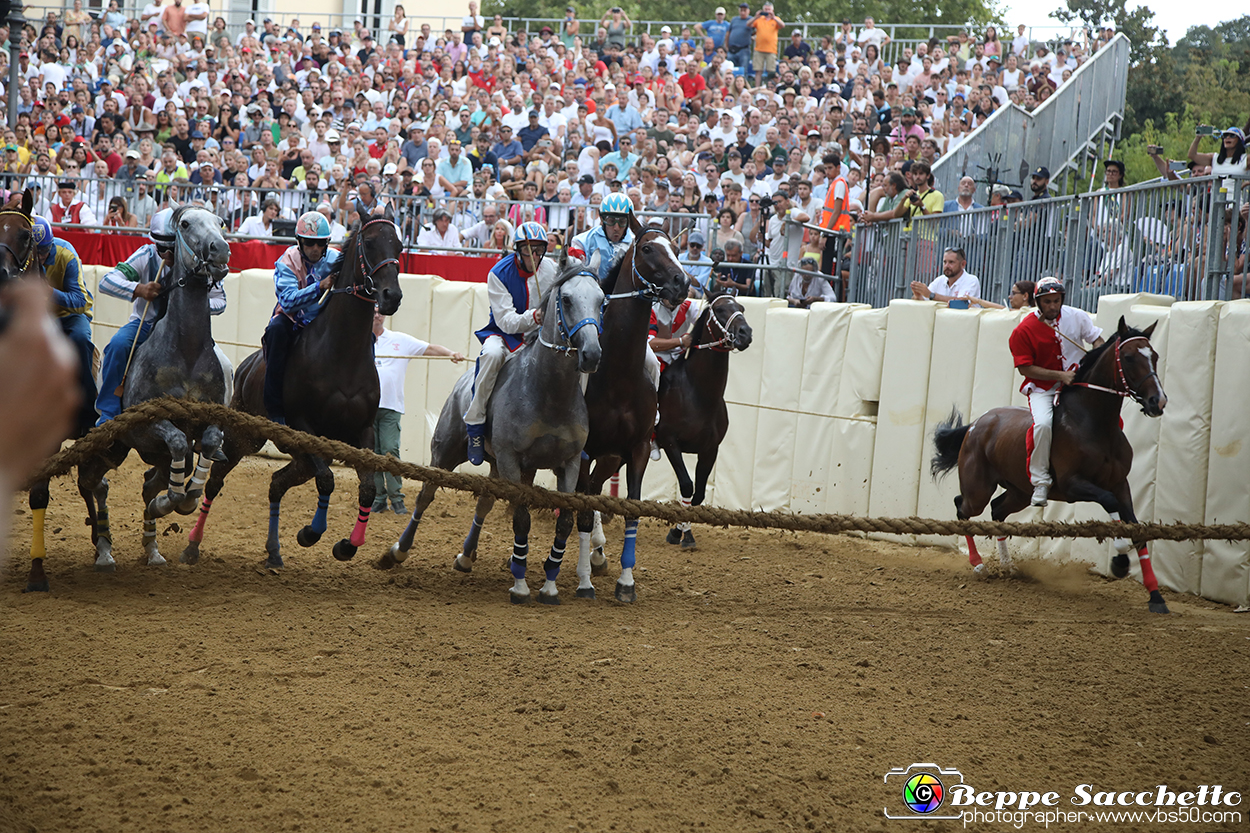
(608, 283)
(1086, 368)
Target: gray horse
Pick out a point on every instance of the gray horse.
(536, 419)
(179, 359)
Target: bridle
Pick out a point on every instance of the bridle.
(649, 289)
(200, 263)
(725, 342)
(367, 288)
(1124, 389)
(30, 256)
(563, 332)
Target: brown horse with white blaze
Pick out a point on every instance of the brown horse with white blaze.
(1090, 457)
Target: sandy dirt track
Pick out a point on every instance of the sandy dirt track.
(765, 682)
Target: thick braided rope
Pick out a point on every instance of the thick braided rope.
(185, 413)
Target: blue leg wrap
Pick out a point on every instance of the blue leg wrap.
(273, 520)
(520, 552)
(555, 560)
(319, 518)
(631, 538)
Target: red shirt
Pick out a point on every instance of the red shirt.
(1034, 342)
(482, 78)
(692, 85)
(377, 151)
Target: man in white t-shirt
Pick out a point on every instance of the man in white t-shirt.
(391, 352)
(197, 20)
(953, 283)
(871, 34)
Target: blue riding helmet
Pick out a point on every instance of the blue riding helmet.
(42, 230)
(531, 231)
(616, 204)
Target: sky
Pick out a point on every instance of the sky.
(1174, 17)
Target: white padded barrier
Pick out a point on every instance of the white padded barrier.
(453, 319)
(781, 385)
(816, 431)
(860, 387)
(413, 316)
(1185, 439)
(1226, 564)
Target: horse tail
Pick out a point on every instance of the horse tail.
(948, 438)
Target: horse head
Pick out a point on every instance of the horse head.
(17, 238)
(200, 247)
(655, 263)
(1137, 365)
(727, 319)
(375, 272)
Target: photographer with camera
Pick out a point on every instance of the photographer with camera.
(764, 57)
(1231, 160)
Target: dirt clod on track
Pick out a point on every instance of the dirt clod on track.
(765, 682)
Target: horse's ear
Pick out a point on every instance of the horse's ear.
(635, 225)
(28, 201)
(564, 252)
(1122, 329)
(1149, 330)
(595, 260)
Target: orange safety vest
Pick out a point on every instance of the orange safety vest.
(840, 222)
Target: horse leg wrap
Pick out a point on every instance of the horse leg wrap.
(177, 477)
(974, 557)
(37, 549)
(583, 561)
(520, 552)
(319, 517)
(555, 559)
(197, 532)
(1122, 545)
(1147, 571)
(274, 510)
(684, 526)
(362, 524)
(627, 550)
(470, 541)
(200, 476)
(102, 524)
(149, 531)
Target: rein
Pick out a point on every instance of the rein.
(1131, 391)
(30, 256)
(366, 289)
(563, 332)
(648, 290)
(725, 343)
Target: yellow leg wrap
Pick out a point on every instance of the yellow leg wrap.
(36, 536)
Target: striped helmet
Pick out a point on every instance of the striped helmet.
(43, 233)
(531, 231)
(1047, 285)
(616, 204)
(312, 225)
(159, 231)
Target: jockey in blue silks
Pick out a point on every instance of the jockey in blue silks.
(302, 277)
(610, 238)
(71, 303)
(138, 278)
(514, 290)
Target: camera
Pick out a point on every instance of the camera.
(766, 204)
(1205, 130)
(1154, 150)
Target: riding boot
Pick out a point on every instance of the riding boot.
(477, 443)
(277, 346)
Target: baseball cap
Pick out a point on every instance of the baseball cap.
(494, 41)
(585, 179)
(195, 134)
(533, 114)
(14, 148)
(815, 133)
(332, 136)
(1114, 163)
(744, 5)
(720, 10)
(1043, 172)
(909, 111)
(666, 29)
(696, 238)
(76, 110)
(390, 169)
(132, 154)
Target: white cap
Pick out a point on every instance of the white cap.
(494, 41)
(666, 30)
(389, 169)
(720, 10)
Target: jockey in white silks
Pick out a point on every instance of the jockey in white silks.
(515, 286)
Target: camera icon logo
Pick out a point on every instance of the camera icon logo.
(923, 789)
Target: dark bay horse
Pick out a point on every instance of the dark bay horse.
(178, 359)
(331, 390)
(619, 395)
(1090, 456)
(693, 416)
(536, 419)
(19, 261)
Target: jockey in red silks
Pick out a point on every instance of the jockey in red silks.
(1046, 348)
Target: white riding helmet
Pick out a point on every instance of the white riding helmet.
(1047, 286)
(160, 232)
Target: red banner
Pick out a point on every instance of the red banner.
(111, 249)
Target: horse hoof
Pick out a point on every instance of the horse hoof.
(461, 564)
(598, 562)
(107, 567)
(687, 541)
(518, 598)
(156, 560)
(1157, 605)
(399, 555)
(626, 593)
(307, 536)
(585, 593)
(344, 550)
(673, 537)
(160, 506)
(1119, 566)
(979, 569)
(191, 555)
(548, 599)
(274, 561)
(218, 455)
(36, 586)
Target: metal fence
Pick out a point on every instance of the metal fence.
(1176, 238)
(1074, 128)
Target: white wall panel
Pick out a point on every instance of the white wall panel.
(780, 391)
(860, 387)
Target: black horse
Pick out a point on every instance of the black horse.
(331, 390)
(693, 416)
(619, 395)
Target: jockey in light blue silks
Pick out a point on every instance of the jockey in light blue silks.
(610, 238)
(138, 278)
(514, 288)
(71, 303)
(302, 277)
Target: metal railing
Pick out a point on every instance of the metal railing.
(1066, 133)
(1172, 238)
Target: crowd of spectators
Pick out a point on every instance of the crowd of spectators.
(464, 134)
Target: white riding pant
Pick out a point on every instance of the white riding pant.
(1042, 407)
(652, 366)
(491, 360)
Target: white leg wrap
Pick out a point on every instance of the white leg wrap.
(1004, 557)
(583, 560)
(177, 476)
(684, 526)
(597, 538)
(1122, 545)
